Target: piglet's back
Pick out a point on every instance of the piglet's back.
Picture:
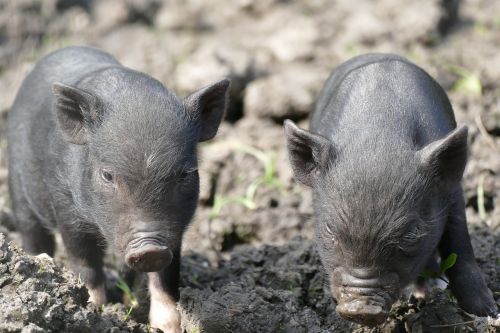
(376, 96)
(33, 137)
(66, 65)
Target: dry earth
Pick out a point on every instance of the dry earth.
(249, 263)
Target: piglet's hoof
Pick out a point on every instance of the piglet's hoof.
(495, 321)
(97, 295)
(44, 256)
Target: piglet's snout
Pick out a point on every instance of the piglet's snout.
(364, 310)
(148, 255)
(363, 296)
(149, 258)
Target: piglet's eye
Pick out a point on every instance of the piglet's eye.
(186, 175)
(331, 235)
(410, 245)
(106, 176)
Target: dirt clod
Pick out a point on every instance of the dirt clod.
(243, 268)
(38, 296)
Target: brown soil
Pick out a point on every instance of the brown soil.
(250, 264)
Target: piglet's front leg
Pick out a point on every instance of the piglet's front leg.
(86, 257)
(466, 280)
(163, 312)
(164, 292)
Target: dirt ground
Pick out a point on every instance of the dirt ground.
(249, 262)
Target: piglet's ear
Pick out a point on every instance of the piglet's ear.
(75, 110)
(208, 105)
(307, 152)
(445, 159)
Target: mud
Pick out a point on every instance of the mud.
(283, 289)
(249, 260)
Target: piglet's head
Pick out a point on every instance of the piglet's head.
(134, 167)
(378, 210)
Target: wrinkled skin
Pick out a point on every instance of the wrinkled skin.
(108, 156)
(384, 160)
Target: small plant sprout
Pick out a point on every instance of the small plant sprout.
(221, 201)
(268, 178)
(129, 312)
(445, 265)
(480, 28)
(468, 83)
(129, 296)
(268, 161)
(449, 262)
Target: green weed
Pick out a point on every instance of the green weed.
(353, 50)
(268, 161)
(481, 28)
(195, 330)
(414, 54)
(448, 262)
(133, 303)
(468, 83)
(268, 179)
(221, 201)
(444, 266)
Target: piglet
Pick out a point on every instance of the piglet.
(108, 156)
(384, 160)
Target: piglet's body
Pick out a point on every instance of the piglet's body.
(107, 156)
(385, 161)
